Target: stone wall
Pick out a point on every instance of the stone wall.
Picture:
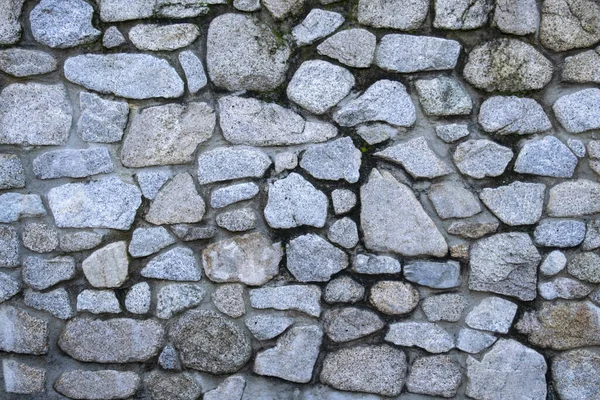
(286, 199)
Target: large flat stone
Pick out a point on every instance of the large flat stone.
(409, 53)
(22, 333)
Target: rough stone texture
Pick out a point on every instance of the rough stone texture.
(519, 203)
(569, 24)
(147, 241)
(104, 384)
(177, 202)
(492, 314)
(472, 341)
(40, 273)
(22, 332)
(343, 290)
(346, 324)
(443, 97)
(310, 258)
(564, 288)
(231, 388)
(266, 326)
(335, 160)
(152, 37)
(39, 237)
(10, 28)
(194, 71)
(438, 275)
(227, 163)
(408, 53)
(546, 157)
(451, 200)
(393, 15)
(163, 386)
(73, 163)
(505, 115)
(585, 266)
(138, 298)
(12, 174)
(108, 266)
(77, 241)
(20, 378)
(171, 299)
(394, 298)
(481, 158)
(554, 262)
(434, 376)
(461, 14)
(240, 220)
(352, 47)
(574, 198)
(559, 233)
(176, 264)
(373, 264)
(112, 38)
(417, 158)
(56, 302)
(425, 335)
(304, 298)
(317, 25)
(101, 120)
(444, 307)
(25, 62)
(343, 200)
(229, 299)
(574, 374)
(15, 206)
(578, 112)
(517, 17)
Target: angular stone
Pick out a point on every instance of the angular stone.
(505, 263)
(577, 147)
(481, 158)
(225, 196)
(39, 237)
(112, 38)
(151, 182)
(138, 298)
(385, 101)
(574, 374)
(303, 298)
(564, 288)
(443, 96)
(147, 241)
(40, 274)
(394, 297)
(267, 326)
(24, 62)
(386, 207)
(335, 160)
(8, 287)
(251, 259)
(239, 220)
(34, 114)
(444, 307)
(311, 258)
(409, 53)
(317, 25)
(176, 264)
(492, 314)
(98, 302)
(581, 68)
(21, 332)
(73, 163)
(57, 302)
(189, 233)
(12, 175)
(393, 15)
(343, 290)
(103, 384)
(119, 74)
(171, 299)
(417, 158)
(343, 232)
(106, 203)
(77, 241)
(507, 370)
(177, 202)
(434, 376)
(162, 386)
(592, 235)
(450, 133)
(20, 378)
(294, 356)
(523, 68)
(107, 267)
(194, 71)
(229, 299)
(378, 369)
(472, 341)
(169, 360)
(350, 323)
(574, 198)
(287, 160)
(101, 120)
(569, 24)
(10, 27)
(124, 10)
(9, 247)
(585, 266)
(373, 264)
(376, 133)
(343, 200)
(437, 275)
(227, 163)
(559, 233)
(579, 111)
(244, 53)
(473, 229)
(461, 14)
(451, 200)
(153, 37)
(352, 47)
(231, 388)
(519, 203)
(14, 206)
(425, 335)
(546, 157)
(517, 17)
(505, 115)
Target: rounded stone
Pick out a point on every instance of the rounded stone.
(393, 297)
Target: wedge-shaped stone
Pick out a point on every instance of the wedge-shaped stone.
(310, 258)
(580, 111)
(352, 47)
(336, 160)
(546, 157)
(228, 163)
(506, 115)
(304, 298)
(107, 267)
(177, 264)
(350, 323)
(177, 202)
(519, 203)
(417, 158)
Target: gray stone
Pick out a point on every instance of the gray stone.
(592, 235)
(176, 264)
(554, 262)
(102, 384)
(267, 326)
(167, 134)
(492, 314)
(517, 17)
(310, 258)
(564, 288)
(434, 376)
(425, 335)
(293, 357)
(293, 201)
(147, 241)
(343, 290)
(12, 175)
(177, 202)
(106, 203)
(461, 14)
(343, 232)
(124, 10)
(505, 115)
(378, 369)
(585, 266)
(244, 53)
(194, 71)
(246, 5)
(372, 264)
(505, 372)
(40, 274)
(225, 196)
(151, 182)
(559, 233)
(394, 297)
(14, 206)
(227, 163)
(350, 323)
(352, 47)
(21, 332)
(9, 247)
(34, 114)
(208, 342)
(98, 302)
(523, 67)
(39, 237)
(229, 299)
(78, 241)
(505, 263)
(112, 38)
(450, 133)
(581, 68)
(317, 25)
(252, 259)
(473, 229)
(444, 307)
(73, 163)
(579, 111)
(189, 233)
(569, 24)
(472, 341)
(574, 198)
(253, 122)
(335, 160)
(393, 15)
(153, 37)
(119, 74)
(57, 302)
(385, 101)
(437, 275)
(577, 147)
(343, 200)
(519, 203)
(546, 157)
(376, 133)
(101, 120)
(20, 378)
(173, 298)
(10, 27)
(231, 388)
(63, 23)
(417, 158)
(443, 96)
(574, 375)
(303, 298)
(386, 205)
(107, 267)
(239, 220)
(408, 53)
(451, 200)
(168, 359)
(287, 160)
(24, 62)
(119, 340)
(281, 9)
(162, 386)
(8, 287)
(138, 298)
(481, 158)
